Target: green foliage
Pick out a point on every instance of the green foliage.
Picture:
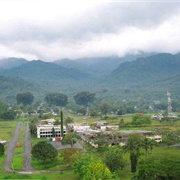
(1, 149)
(2, 107)
(8, 115)
(57, 122)
(155, 167)
(105, 108)
(170, 137)
(44, 152)
(148, 144)
(94, 113)
(140, 119)
(97, 170)
(57, 99)
(70, 155)
(91, 168)
(113, 159)
(133, 145)
(84, 98)
(25, 98)
(69, 120)
(69, 138)
(33, 129)
(134, 161)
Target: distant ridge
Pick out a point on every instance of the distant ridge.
(9, 63)
(118, 78)
(148, 69)
(43, 71)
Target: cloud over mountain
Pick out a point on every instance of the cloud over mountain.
(55, 29)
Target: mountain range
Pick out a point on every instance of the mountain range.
(115, 78)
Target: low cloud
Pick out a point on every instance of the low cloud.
(57, 30)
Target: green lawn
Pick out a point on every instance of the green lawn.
(7, 129)
(17, 163)
(42, 176)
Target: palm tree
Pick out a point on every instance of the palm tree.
(152, 144)
(133, 146)
(148, 143)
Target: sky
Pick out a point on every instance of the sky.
(57, 29)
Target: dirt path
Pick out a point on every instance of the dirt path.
(10, 149)
(27, 150)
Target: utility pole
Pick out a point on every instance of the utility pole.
(62, 130)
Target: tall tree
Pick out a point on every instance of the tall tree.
(148, 144)
(113, 159)
(33, 129)
(84, 98)
(44, 152)
(104, 107)
(25, 98)
(57, 99)
(133, 145)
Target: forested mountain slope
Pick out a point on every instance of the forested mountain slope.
(147, 70)
(110, 78)
(40, 71)
(11, 86)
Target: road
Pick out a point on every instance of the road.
(27, 150)
(27, 168)
(10, 149)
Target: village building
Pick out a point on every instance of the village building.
(78, 127)
(46, 128)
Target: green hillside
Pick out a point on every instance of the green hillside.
(11, 86)
(144, 79)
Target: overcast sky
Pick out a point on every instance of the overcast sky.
(55, 29)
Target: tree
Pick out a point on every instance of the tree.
(44, 152)
(8, 114)
(2, 149)
(57, 99)
(133, 146)
(70, 155)
(70, 138)
(113, 159)
(148, 144)
(33, 129)
(94, 113)
(84, 98)
(104, 108)
(69, 120)
(97, 170)
(159, 167)
(82, 110)
(25, 98)
(140, 119)
(91, 168)
(2, 107)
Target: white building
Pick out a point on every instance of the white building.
(47, 129)
(78, 127)
(157, 138)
